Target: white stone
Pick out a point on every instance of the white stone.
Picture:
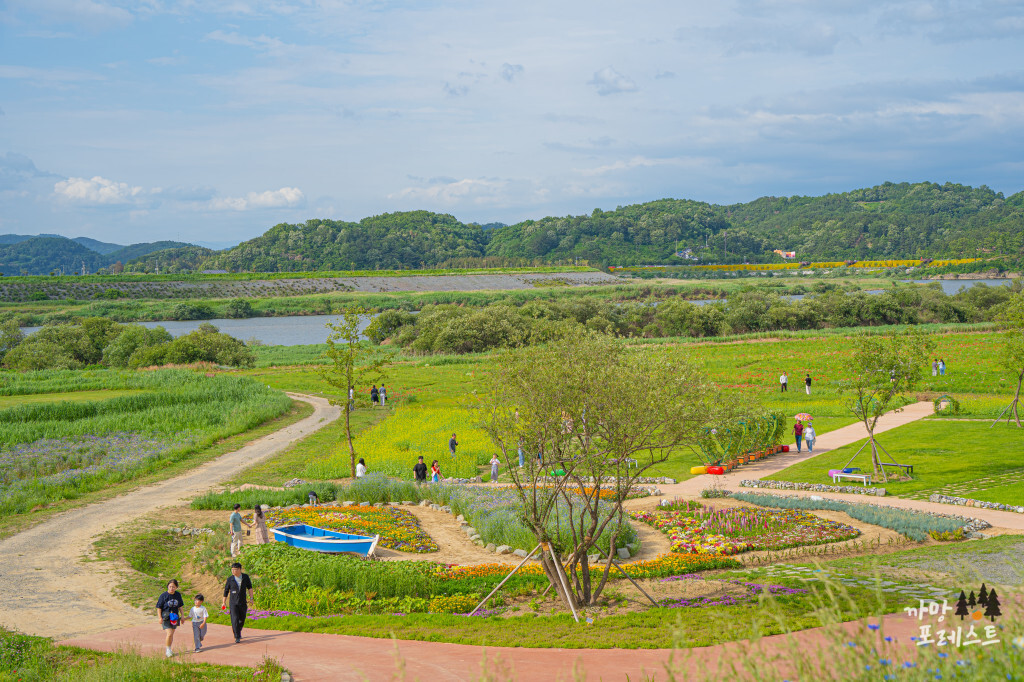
(503, 549)
(623, 553)
(520, 553)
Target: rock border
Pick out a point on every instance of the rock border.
(968, 502)
(814, 487)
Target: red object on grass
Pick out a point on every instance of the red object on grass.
(716, 471)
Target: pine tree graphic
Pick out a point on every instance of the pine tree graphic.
(992, 610)
(961, 606)
(971, 601)
(983, 596)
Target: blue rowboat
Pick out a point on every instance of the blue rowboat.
(321, 540)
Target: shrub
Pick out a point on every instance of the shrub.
(914, 525)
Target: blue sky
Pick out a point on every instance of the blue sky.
(213, 120)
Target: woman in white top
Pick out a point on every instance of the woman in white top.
(361, 468)
(810, 436)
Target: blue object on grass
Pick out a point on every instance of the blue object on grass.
(321, 540)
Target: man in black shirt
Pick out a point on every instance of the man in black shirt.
(420, 470)
(236, 587)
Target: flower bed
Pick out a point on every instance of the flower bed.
(753, 591)
(398, 529)
(696, 529)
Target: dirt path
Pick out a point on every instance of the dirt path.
(45, 586)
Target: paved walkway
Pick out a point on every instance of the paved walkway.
(830, 441)
(315, 657)
(826, 441)
(45, 587)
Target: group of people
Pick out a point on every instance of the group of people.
(784, 383)
(378, 396)
(805, 433)
(938, 367)
(237, 592)
(419, 470)
(259, 525)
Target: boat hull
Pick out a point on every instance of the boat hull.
(323, 540)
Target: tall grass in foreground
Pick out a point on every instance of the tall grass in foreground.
(392, 446)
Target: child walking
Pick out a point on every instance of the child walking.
(494, 467)
(198, 614)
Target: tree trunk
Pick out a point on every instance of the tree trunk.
(348, 435)
(1016, 399)
(548, 560)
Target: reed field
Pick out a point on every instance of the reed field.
(61, 449)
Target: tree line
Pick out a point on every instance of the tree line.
(457, 329)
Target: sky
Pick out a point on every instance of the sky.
(210, 121)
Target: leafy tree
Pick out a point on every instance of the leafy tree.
(883, 369)
(239, 308)
(350, 363)
(134, 338)
(1013, 349)
(576, 400)
(10, 336)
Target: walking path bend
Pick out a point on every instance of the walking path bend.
(43, 568)
(830, 441)
(47, 589)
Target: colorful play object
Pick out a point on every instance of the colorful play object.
(321, 540)
(715, 470)
(698, 470)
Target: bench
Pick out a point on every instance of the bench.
(909, 468)
(863, 478)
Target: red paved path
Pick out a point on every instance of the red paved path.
(313, 657)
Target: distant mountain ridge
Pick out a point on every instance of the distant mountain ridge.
(41, 255)
(888, 221)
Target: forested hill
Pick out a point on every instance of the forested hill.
(45, 254)
(885, 222)
(389, 241)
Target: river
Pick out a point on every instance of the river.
(299, 330)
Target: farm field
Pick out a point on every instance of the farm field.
(65, 397)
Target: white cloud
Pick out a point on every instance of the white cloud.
(96, 191)
(481, 191)
(277, 198)
(608, 81)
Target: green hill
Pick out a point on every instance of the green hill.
(45, 254)
(889, 221)
(97, 246)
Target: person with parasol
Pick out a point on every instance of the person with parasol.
(798, 428)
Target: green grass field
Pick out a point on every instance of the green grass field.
(73, 396)
(942, 453)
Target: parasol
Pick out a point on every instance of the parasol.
(803, 416)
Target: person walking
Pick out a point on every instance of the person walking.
(351, 398)
(935, 367)
(810, 436)
(435, 472)
(383, 395)
(168, 610)
(235, 590)
(420, 470)
(942, 367)
(235, 530)
(261, 536)
(314, 499)
(783, 383)
(798, 431)
(360, 468)
(452, 444)
(807, 384)
(519, 451)
(199, 616)
(374, 396)
(494, 467)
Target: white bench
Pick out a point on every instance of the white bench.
(863, 478)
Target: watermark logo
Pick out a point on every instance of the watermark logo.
(971, 610)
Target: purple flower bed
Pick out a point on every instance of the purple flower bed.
(260, 614)
(59, 460)
(754, 590)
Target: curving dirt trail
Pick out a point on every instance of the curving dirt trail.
(49, 587)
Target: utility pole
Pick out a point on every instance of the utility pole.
(83, 268)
